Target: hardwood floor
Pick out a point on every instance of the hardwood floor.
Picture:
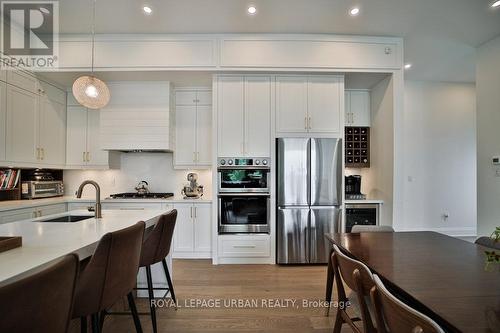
(264, 285)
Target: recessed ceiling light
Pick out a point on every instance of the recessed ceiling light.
(147, 10)
(355, 11)
(496, 4)
(408, 66)
(252, 10)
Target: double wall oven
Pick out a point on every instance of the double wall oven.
(244, 195)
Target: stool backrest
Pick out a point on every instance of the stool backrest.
(42, 301)
(157, 243)
(488, 242)
(394, 316)
(111, 272)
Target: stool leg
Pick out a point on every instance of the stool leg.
(169, 281)
(151, 298)
(135, 315)
(95, 323)
(101, 318)
(83, 324)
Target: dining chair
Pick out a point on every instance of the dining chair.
(155, 248)
(371, 228)
(109, 275)
(359, 279)
(40, 302)
(488, 242)
(394, 316)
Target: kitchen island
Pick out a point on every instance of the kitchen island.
(44, 242)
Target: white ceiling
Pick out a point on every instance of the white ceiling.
(440, 35)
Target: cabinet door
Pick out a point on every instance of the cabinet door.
(230, 104)
(184, 228)
(185, 97)
(185, 135)
(17, 215)
(204, 135)
(323, 104)
(360, 108)
(202, 228)
(76, 136)
(97, 157)
(204, 97)
(258, 116)
(3, 113)
(52, 131)
(22, 125)
(291, 104)
(22, 80)
(51, 209)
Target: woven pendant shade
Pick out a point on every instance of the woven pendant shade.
(91, 92)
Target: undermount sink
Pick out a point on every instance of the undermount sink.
(68, 218)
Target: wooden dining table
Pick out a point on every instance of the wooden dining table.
(441, 276)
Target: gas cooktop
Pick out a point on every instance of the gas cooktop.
(141, 195)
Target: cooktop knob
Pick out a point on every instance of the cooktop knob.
(222, 162)
(230, 162)
(264, 162)
(257, 162)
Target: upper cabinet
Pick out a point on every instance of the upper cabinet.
(137, 117)
(34, 125)
(244, 115)
(309, 105)
(357, 108)
(82, 143)
(193, 128)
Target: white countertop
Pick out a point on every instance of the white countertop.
(18, 204)
(361, 202)
(44, 242)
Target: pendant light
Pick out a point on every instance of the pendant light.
(88, 90)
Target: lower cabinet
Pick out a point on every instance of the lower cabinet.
(31, 213)
(192, 235)
(244, 246)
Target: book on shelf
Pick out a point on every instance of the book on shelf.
(9, 179)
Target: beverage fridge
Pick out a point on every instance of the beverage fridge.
(309, 198)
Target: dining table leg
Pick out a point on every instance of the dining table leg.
(329, 282)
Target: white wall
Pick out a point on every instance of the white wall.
(440, 158)
(488, 136)
(155, 168)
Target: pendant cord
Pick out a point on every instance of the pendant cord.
(93, 33)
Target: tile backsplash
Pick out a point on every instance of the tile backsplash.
(155, 168)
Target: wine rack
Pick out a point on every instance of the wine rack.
(357, 147)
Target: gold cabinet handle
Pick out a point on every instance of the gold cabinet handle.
(191, 210)
(195, 212)
(43, 154)
(37, 153)
(194, 156)
(309, 122)
(84, 157)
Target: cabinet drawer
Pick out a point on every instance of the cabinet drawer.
(23, 80)
(204, 97)
(185, 97)
(254, 248)
(17, 215)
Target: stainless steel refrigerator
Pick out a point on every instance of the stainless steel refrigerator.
(308, 199)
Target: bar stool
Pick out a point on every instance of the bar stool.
(40, 302)
(109, 275)
(155, 249)
(394, 316)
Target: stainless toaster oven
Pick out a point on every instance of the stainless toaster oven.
(42, 189)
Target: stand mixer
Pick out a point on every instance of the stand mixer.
(192, 190)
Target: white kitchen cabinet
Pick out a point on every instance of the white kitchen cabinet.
(357, 108)
(82, 139)
(244, 112)
(52, 137)
(244, 246)
(258, 116)
(3, 114)
(23, 80)
(22, 124)
(3, 75)
(192, 234)
(230, 115)
(193, 129)
(309, 105)
(31, 213)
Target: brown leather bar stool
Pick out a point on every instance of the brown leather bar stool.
(40, 302)
(109, 275)
(155, 249)
(394, 316)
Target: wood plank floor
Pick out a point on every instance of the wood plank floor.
(264, 285)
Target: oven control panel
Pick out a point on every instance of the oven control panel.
(243, 162)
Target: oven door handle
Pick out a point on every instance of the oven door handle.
(240, 194)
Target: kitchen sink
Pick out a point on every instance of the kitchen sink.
(68, 218)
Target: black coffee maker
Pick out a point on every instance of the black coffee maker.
(353, 188)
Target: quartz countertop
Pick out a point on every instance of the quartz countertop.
(18, 204)
(366, 201)
(45, 242)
